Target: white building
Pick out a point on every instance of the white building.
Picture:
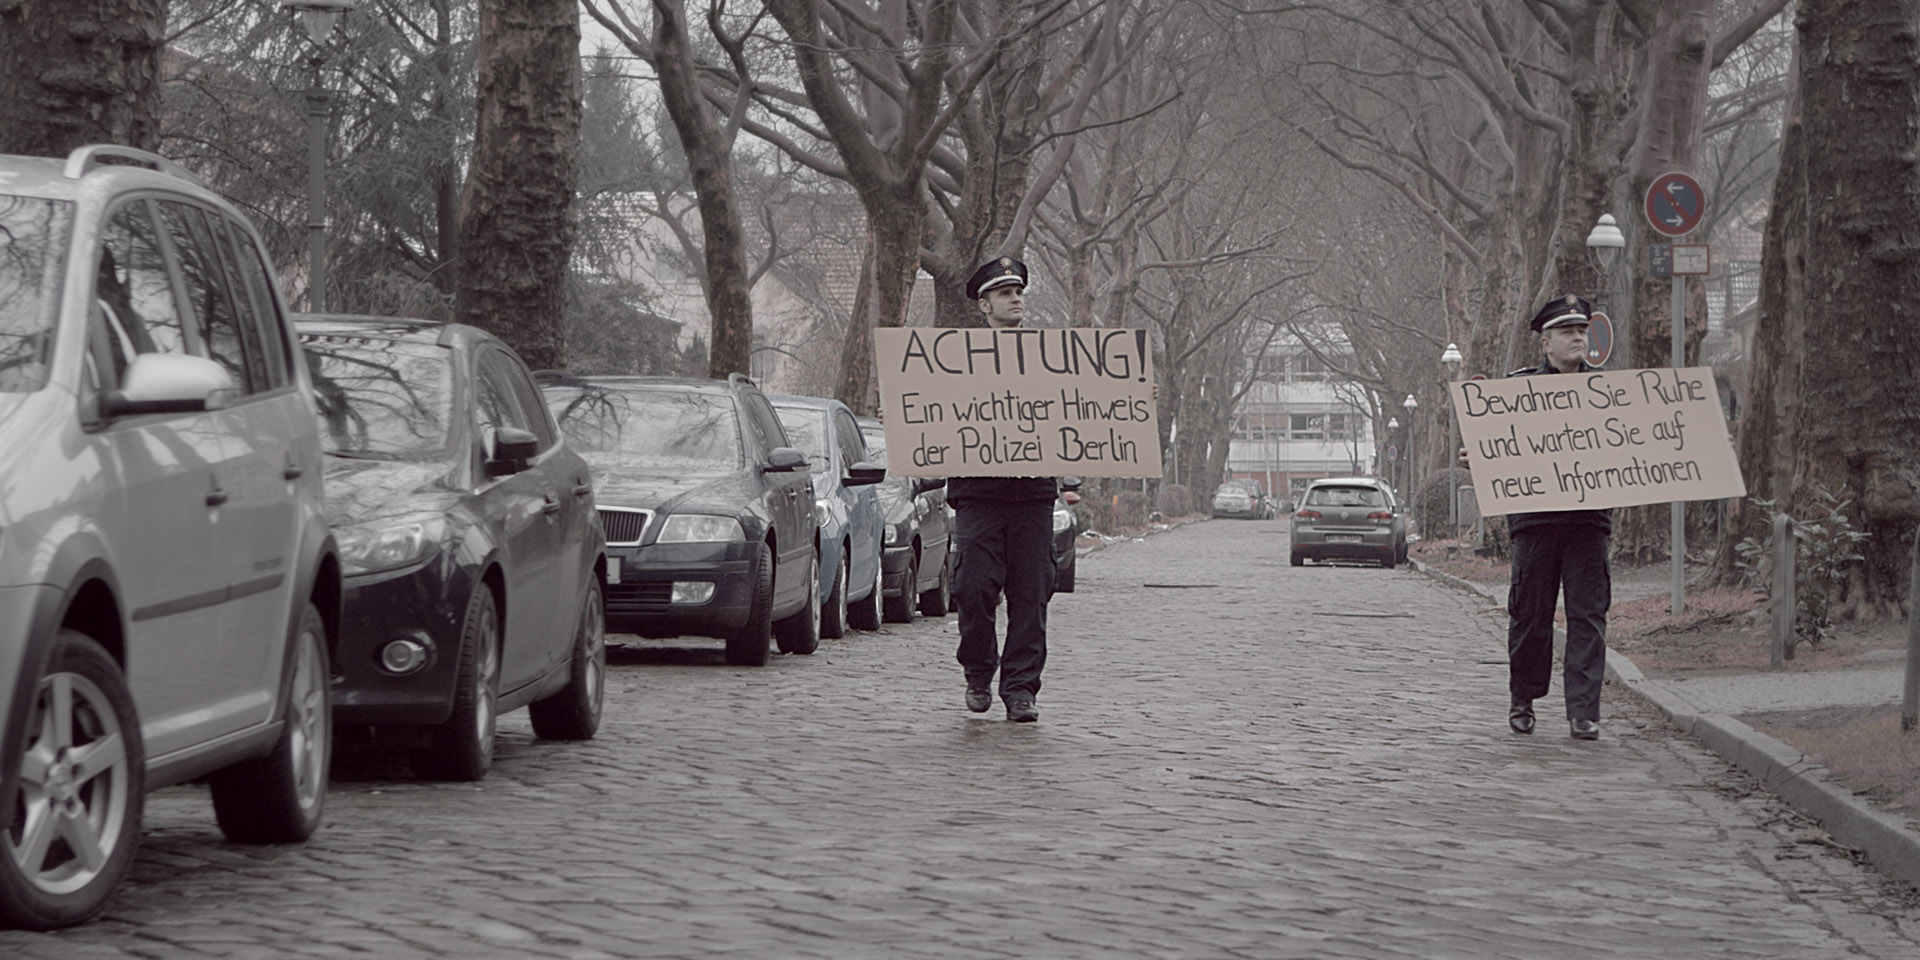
(1298, 423)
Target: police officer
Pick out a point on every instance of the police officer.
(1004, 526)
(1556, 550)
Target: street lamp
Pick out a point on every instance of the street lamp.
(1413, 458)
(1393, 436)
(1606, 244)
(318, 18)
(1450, 359)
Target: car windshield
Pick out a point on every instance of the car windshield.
(381, 398)
(807, 432)
(664, 428)
(33, 254)
(1345, 497)
(1232, 492)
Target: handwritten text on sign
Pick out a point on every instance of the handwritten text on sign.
(1021, 402)
(1583, 441)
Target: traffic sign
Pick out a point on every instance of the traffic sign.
(1692, 260)
(1599, 338)
(1659, 259)
(1393, 453)
(1675, 203)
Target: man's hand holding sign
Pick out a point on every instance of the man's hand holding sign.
(1596, 439)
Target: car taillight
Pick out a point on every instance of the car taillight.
(1380, 515)
(1308, 514)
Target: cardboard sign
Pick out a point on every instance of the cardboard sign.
(1019, 402)
(1583, 441)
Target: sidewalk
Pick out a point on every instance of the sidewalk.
(1704, 708)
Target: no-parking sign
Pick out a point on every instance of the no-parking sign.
(1599, 338)
(1675, 204)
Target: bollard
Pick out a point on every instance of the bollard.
(1910, 701)
(1783, 600)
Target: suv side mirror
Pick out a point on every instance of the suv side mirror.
(169, 383)
(512, 448)
(785, 460)
(862, 474)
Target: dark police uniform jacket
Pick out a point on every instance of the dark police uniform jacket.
(980, 491)
(1520, 522)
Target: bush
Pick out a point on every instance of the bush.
(1825, 548)
(1130, 509)
(1176, 500)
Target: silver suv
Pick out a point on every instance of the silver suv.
(168, 588)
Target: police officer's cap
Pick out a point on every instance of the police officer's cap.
(996, 273)
(1562, 312)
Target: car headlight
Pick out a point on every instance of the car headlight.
(385, 544)
(700, 528)
(896, 534)
(1062, 520)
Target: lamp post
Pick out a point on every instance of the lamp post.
(1450, 359)
(1393, 435)
(1413, 460)
(1606, 243)
(318, 18)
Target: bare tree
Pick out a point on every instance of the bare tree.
(1838, 306)
(515, 230)
(75, 72)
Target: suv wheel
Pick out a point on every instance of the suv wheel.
(833, 613)
(748, 647)
(462, 747)
(864, 613)
(933, 603)
(900, 609)
(574, 713)
(79, 785)
(278, 798)
(799, 633)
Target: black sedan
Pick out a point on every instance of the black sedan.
(467, 536)
(916, 573)
(708, 510)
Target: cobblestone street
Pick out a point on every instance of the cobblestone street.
(1235, 758)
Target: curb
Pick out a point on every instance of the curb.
(1886, 839)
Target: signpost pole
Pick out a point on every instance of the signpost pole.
(1678, 510)
(1674, 205)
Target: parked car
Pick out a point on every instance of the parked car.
(1065, 531)
(847, 506)
(916, 561)
(1237, 499)
(708, 510)
(471, 552)
(168, 586)
(1349, 518)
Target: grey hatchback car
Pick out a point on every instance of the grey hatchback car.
(1349, 518)
(169, 590)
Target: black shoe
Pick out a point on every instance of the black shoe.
(1021, 708)
(980, 698)
(1520, 716)
(1583, 730)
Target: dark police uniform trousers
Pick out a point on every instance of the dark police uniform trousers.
(1004, 526)
(1555, 552)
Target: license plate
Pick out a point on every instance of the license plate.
(613, 569)
(1343, 538)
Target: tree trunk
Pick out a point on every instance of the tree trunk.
(1856, 426)
(76, 72)
(1678, 56)
(708, 151)
(515, 231)
(1771, 390)
(893, 230)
